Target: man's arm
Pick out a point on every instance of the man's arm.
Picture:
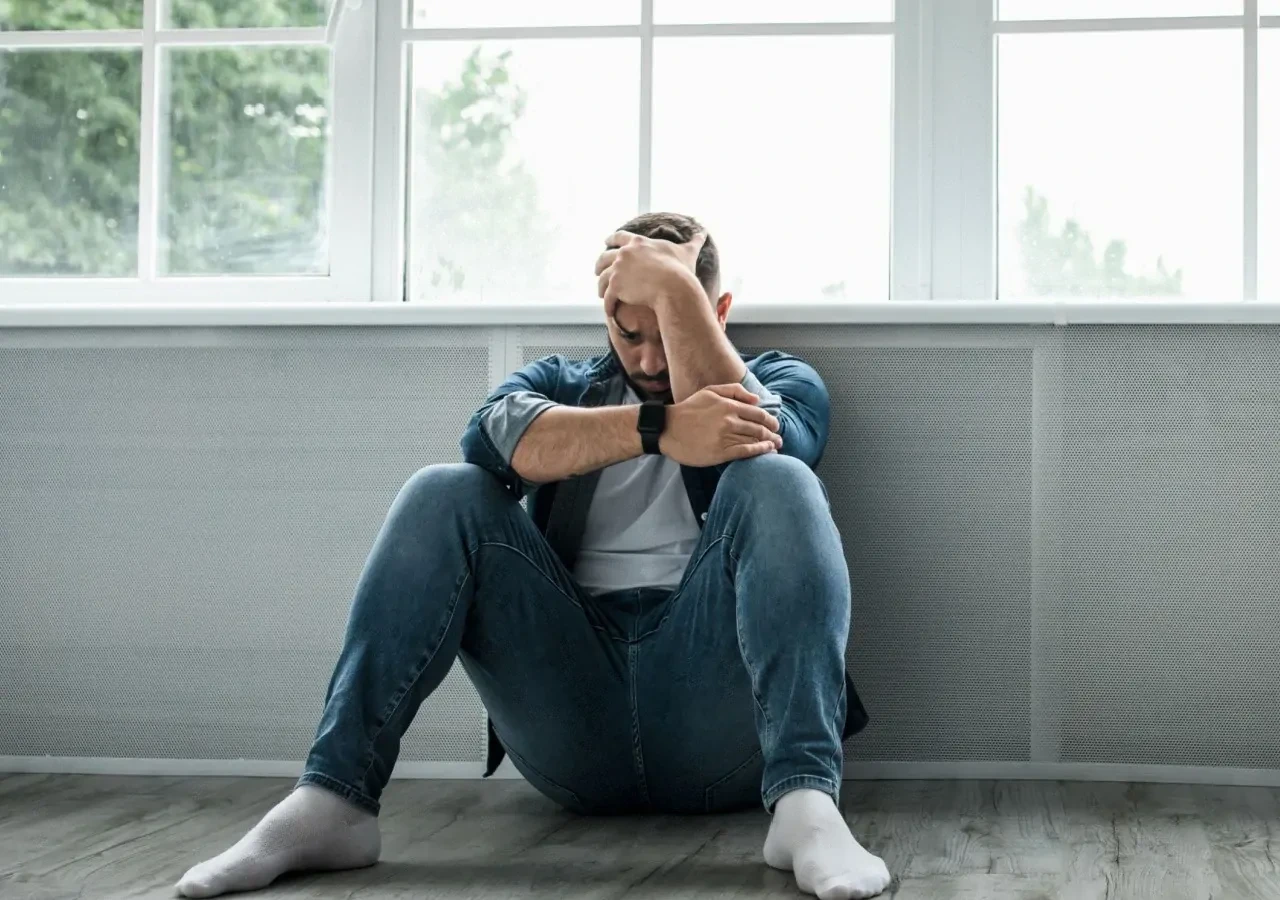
(699, 353)
(565, 441)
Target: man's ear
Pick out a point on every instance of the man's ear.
(722, 308)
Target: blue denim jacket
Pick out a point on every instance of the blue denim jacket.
(787, 386)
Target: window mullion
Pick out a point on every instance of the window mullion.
(351, 154)
(392, 109)
(1250, 186)
(646, 107)
(911, 274)
(149, 146)
(963, 150)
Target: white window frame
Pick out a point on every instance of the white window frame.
(1248, 24)
(348, 187)
(943, 251)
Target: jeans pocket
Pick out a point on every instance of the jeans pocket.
(740, 789)
(554, 792)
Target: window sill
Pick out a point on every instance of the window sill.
(925, 312)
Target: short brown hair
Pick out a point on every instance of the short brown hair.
(680, 229)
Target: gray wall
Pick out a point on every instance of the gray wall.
(1063, 541)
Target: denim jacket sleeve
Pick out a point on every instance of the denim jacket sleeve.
(496, 428)
(790, 389)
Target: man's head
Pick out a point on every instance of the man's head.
(633, 330)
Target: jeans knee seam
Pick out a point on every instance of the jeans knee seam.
(678, 594)
(424, 661)
(532, 562)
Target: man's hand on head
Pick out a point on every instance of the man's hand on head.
(642, 271)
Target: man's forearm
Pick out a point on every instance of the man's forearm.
(699, 354)
(565, 441)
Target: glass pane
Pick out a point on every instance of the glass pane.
(1121, 176)
(1269, 165)
(247, 13)
(698, 12)
(1115, 9)
(1269, 7)
(521, 167)
(81, 15)
(787, 164)
(245, 158)
(515, 13)
(69, 162)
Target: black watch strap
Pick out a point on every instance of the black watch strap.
(653, 420)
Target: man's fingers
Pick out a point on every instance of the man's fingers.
(743, 428)
(746, 451)
(693, 247)
(758, 415)
(611, 299)
(605, 260)
(734, 392)
(602, 283)
(620, 239)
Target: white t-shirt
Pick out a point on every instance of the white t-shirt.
(641, 529)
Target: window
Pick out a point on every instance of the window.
(1120, 167)
(526, 152)
(474, 155)
(1269, 163)
(151, 143)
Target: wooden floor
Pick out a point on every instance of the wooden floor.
(110, 838)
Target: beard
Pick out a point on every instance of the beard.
(647, 387)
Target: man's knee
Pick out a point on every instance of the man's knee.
(775, 481)
(440, 489)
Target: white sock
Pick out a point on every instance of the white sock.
(312, 828)
(810, 837)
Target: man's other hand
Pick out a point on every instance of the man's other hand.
(717, 425)
(640, 270)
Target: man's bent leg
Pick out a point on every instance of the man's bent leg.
(758, 630)
(453, 543)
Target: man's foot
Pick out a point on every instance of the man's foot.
(809, 837)
(310, 829)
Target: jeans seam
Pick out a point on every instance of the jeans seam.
(678, 594)
(342, 789)
(795, 782)
(709, 794)
(517, 756)
(637, 744)
(424, 661)
(428, 656)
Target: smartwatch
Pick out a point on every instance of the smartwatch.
(653, 419)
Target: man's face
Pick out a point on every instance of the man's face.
(633, 332)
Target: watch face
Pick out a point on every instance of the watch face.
(653, 416)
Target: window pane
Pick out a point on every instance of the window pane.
(1115, 9)
(86, 15)
(1269, 165)
(69, 162)
(513, 13)
(245, 157)
(735, 11)
(521, 167)
(1269, 7)
(247, 13)
(786, 164)
(1120, 165)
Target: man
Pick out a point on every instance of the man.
(663, 631)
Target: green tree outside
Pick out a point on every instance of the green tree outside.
(1065, 262)
(243, 180)
(475, 221)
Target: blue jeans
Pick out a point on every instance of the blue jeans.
(725, 693)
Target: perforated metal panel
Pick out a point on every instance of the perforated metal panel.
(1161, 639)
(1063, 542)
(183, 518)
